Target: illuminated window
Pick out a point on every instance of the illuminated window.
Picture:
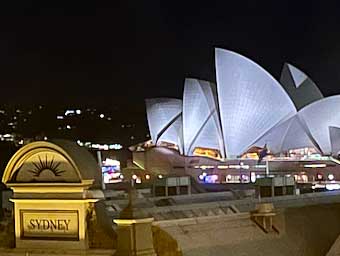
(302, 153)
(207, 152)
(233, 178)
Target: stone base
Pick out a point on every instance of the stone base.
(30, 212)
(134, 237)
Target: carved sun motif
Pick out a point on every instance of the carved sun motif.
(45, 164)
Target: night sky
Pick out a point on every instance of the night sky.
(121, 52)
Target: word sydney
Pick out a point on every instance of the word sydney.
(49, 224)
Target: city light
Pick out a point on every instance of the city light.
(260, 166)
(330, 176)
(111, 162)
(115, 146)
(69, 112)
(252, 177)
(332, 186)
(315, 165)
(211, 178)
(98, 146)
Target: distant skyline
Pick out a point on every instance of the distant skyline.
(126, 51)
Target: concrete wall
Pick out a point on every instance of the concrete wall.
(309, 230)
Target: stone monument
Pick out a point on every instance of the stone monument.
(51, 194)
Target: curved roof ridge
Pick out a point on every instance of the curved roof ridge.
(299, 86)
(251, 100)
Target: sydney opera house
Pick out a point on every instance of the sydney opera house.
(217, 130)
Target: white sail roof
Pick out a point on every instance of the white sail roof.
(201, 125)
(318, 117)
(251, 101)
(165, 120)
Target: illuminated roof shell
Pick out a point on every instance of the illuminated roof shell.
(318, 117)
(252, 109)
(165, 120)
(334, 134)
(201, 125)
(251, 101)
(288, 134)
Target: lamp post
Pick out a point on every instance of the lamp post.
(134, 226)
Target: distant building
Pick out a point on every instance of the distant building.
(223, 127)
(247, 108)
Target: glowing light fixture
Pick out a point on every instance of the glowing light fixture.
(252, 177)
(330, 176)
(332, 186)
(315, 165)
(69, 112)
(211, 178)
(319, 176)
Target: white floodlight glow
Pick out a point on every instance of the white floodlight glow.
(69, 112)
(315, 165)
(253, 177)
(111, 162)
(333, 186)
(330, 176)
